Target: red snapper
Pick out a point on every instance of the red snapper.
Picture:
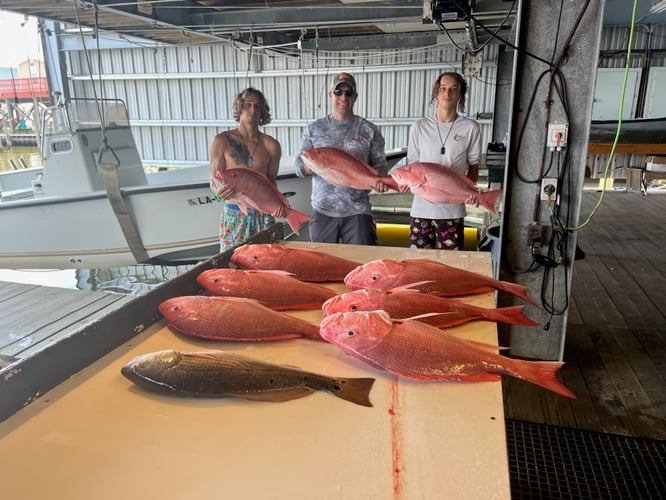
(403, 303)
(233, 318)
(278, 290)
(437, 278)
(255, 190)
(343, 169)
(303, 263)
(415, 350)
(438, 183)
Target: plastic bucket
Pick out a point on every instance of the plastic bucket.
(491, 243)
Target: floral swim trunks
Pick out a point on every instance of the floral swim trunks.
(236, 227)
(443, 234)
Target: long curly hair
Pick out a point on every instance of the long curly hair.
(462, 84)
(265, 118)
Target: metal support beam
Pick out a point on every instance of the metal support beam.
(554, 77)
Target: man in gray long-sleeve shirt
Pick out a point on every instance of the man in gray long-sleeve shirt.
(342, 213)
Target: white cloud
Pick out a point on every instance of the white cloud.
(19, 42)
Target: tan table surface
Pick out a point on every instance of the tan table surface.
(97, 436)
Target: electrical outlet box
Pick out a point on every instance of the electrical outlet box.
(548, 188)
(534, 232)
(558, 135)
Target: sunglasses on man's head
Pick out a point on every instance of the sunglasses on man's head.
(348, 93)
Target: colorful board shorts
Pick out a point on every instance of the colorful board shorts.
(236, 227)
(443, 234)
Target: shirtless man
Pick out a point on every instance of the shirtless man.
(245, 147)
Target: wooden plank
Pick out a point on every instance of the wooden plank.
(605, 148)
(637, 405)
(647, 372)
(584, 412)
(608, 404)
(30, 316)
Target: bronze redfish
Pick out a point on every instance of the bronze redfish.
(223, 374)
(437, 278)
(419, 351)
(303, 263)
(233, 318)
(403, 303)
(278, 290)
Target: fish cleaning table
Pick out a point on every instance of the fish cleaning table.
(99, 436)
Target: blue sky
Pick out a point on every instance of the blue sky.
(18, 42)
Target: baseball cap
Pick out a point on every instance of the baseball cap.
(343, 78)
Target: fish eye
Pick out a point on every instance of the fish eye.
(255, 257)
(216, 280)
(374, 278)
(176, 308)
(353, 307)
(351, 333)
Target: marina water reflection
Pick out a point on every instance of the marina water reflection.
(131, 280)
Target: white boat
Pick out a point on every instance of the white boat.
(92, 205)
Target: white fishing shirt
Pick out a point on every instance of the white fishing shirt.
(462, 148)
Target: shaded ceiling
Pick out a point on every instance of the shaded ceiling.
(307, 25)
(294, 24)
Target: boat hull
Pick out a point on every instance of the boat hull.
(177, 223)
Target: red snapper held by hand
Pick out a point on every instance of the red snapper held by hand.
(438, 183)
(256, 190)
(343, 169)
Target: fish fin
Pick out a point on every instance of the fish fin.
(541, 373)
(512, 315)
(516, 289)
(446, 320)
(241, 204)
(410, 287)
(488, 199)
(486, 346)
(276, 395)
(420, 261)
(270, 271)
(355, 390)
(296, 219)
(420, 316)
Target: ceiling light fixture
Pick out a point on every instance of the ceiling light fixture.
(658, 7)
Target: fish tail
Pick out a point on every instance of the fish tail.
(355, 390)
(488, 199)
(541, 373)
(296, 219)
(516, 289)
(512, 315)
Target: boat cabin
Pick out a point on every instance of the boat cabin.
(80, 135)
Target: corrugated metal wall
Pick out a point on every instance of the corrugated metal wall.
(180, 97)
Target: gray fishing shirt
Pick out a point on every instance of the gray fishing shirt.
(357, 136)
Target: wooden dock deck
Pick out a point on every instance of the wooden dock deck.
(615, 349)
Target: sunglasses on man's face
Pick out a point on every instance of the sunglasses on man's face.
(348, 93)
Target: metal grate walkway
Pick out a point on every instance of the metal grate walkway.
(550, 462)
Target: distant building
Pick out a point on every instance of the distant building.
(8, 72)
(30, 68)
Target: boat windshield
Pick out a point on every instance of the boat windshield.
(89, 114)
